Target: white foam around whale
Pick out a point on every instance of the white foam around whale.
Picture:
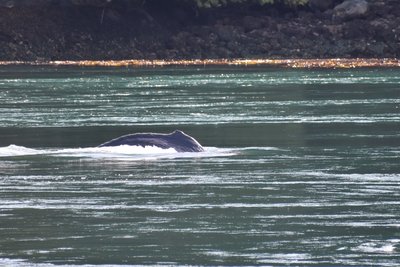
(14, 150)
(124, 152)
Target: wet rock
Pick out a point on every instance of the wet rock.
(321, 5)
(203, 32)
(351, 9)
(381, 29)
(8, 3)
(226, 33)
(21, 3)
(4, 37)
(223, 52)
(355, 29)
(335, 30)
(98, 3)
(112, 15)
(377, 49)
(252, 23)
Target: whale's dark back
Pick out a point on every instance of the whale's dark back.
(178, 140)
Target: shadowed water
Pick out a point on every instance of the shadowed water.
(301, 167)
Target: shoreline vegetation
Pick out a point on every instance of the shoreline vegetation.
(284, 63)
(201, 32)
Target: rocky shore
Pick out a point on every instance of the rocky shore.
(340, 29)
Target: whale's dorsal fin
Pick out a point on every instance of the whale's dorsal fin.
(178, 132)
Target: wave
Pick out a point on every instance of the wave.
(14, 150)
(377, 246)
(124, 152)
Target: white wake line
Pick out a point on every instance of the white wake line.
(124, 152)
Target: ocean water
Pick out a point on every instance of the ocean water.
(301, 167)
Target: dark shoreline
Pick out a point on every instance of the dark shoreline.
(342, 63)
(53, 32)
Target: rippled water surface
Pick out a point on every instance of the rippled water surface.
(301, 167)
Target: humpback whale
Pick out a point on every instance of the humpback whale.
(177, 140)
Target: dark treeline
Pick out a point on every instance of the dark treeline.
(191, 29)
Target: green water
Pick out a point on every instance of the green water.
(301, 167)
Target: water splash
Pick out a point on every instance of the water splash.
(123, 152)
